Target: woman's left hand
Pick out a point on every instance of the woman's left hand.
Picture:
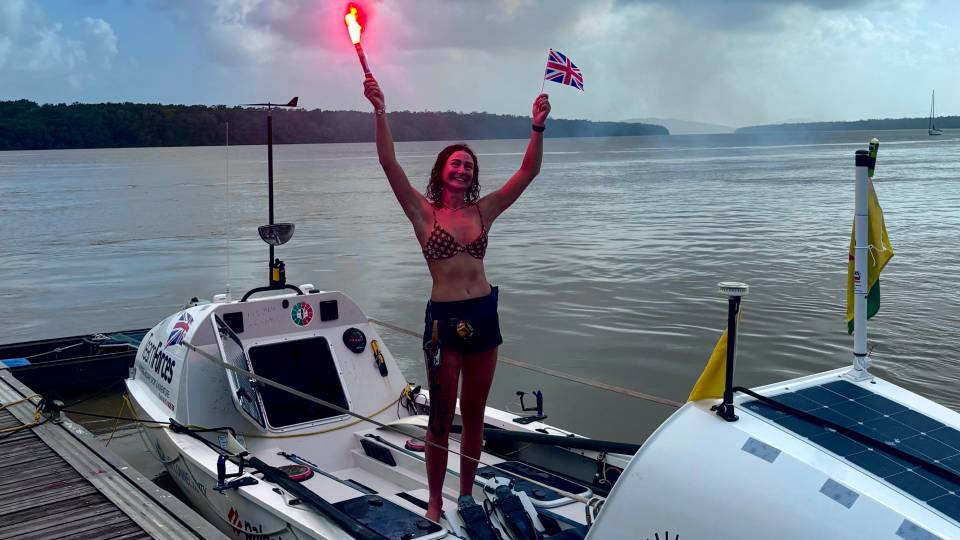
(541, 108)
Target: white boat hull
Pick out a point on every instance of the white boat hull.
(354, 460)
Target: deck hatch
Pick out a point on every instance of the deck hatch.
(875, 416)
(388, 518)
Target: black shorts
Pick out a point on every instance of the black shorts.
(466, 326)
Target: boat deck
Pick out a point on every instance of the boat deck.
(58, 481)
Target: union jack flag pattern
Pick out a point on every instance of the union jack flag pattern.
(561, 70)
(180, 330)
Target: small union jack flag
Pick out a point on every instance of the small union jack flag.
(180, 330)
(561, 70)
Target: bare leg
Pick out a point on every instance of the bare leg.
(477, 372)
(449, 376)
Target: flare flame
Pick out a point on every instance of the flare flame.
(353, 26)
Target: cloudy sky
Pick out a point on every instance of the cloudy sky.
(732, 62)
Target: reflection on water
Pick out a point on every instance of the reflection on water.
(608, 265)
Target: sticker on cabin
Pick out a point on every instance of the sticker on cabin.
(179, 330)
(302, 314)
(157, 371)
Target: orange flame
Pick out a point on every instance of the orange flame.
(353, 27)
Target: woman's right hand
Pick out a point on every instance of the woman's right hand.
(373, 93)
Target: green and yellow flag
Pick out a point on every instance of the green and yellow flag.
(879, 253)
(713, 379)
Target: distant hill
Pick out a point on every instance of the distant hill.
(943, 122)
(24, 125)
(685, 127)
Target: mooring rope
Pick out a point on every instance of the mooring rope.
(554, 373)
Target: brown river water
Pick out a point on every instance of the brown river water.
(607, 266)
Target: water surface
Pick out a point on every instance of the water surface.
(607, 265)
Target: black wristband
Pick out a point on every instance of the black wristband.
(538, 129)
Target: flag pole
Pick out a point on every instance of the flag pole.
(861, 283)
(543, 78)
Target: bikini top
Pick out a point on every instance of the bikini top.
(442, 244)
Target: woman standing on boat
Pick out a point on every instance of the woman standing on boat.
(462, 329)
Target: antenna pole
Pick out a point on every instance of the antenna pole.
(274, 234)
(270, 175)
(227, 175)
(734, 291)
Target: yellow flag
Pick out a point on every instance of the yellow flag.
(713, 379)
(879, 253)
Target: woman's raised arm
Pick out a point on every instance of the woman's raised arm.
(498, 201)
(414, 204)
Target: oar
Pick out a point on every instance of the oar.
(496, 434)
(567, 441)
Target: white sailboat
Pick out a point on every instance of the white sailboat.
(310, 430)
(932, 128)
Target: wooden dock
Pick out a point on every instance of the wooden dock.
(58, 481)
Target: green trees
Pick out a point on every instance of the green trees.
(25, 125)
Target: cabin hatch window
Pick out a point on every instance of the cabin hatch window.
(232, 350)
(305, 365)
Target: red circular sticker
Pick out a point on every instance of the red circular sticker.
(301, 314)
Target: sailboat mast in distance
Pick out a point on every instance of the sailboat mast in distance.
(931, 125)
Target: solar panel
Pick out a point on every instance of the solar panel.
(885, 420)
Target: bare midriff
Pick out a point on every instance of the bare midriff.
(460, 277)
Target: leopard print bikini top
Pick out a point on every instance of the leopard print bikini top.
(442, 244)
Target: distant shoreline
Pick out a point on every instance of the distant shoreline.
(943, 122)
(25, 125)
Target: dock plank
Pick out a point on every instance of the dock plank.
(35, 471)
(51, 519)
(62, 483)
(52, 492)
(38, 514)
(112, 534)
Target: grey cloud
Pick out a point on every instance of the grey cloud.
(761, 16)
(34, 44)
(231, 25)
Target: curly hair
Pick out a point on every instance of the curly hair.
(435, 185)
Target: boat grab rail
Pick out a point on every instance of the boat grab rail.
(256, 290)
